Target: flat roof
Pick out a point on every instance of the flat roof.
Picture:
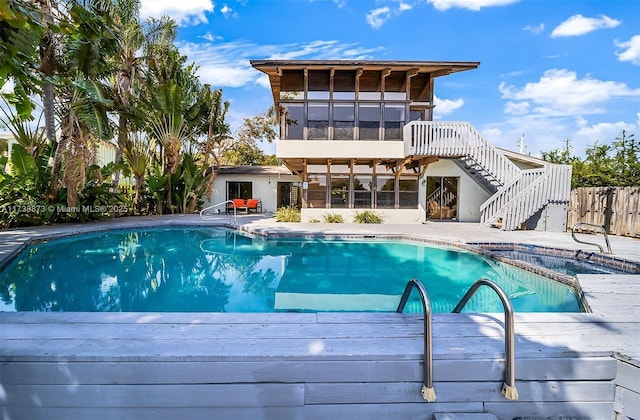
(422, 66)
(253, 170)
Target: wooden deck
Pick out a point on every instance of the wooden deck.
(318, 366)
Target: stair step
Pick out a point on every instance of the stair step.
(464, 416)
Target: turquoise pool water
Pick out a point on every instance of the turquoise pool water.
(218, 270)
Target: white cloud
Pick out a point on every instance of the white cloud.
(474, 5)
(536, 30)
(603, 133)
(227, 12)
(191, 12)
(403, 7)
(579, 25)
(517, 108)
(559, 92)
(227, 64)
(631, 50)
(444, 107)
(377, 17)
(211, 37)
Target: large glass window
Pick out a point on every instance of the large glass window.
(408, 192)
(318, 121)
(394, 115)
(385, 191)
(343, 121)
(339, 191)
(239, 190)
(369, 121)
(317, 191)
(362, 191)
(294, 121)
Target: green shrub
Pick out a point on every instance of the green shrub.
(288, 214)
(367, 216)
(332, 218)
(314, 220)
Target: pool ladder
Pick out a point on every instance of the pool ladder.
(593, 227)
(428, 392)
(205, 216)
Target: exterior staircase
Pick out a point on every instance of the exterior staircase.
(517, 194)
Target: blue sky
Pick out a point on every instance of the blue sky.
(549, 69)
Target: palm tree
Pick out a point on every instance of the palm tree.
(134, 41)
(82, 101)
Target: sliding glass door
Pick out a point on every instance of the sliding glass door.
(442, 198)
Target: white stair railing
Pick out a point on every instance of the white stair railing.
(457, 139)
(521, 192)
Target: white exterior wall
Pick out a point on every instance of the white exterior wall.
(470, 194)
(264, 188)
(339, 149)
(389, 216)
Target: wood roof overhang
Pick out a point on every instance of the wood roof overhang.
(274, 68)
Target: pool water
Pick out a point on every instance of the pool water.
(219, 270)
(570, 266)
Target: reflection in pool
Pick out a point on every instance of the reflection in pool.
(218, 270)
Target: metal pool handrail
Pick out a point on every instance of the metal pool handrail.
(597, 227)
(235, 216)
(428, 393)
(509, 386)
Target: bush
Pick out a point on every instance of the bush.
(314, 220)
(367, 216)
(288, 214)
(332, 218)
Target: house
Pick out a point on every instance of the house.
(274, 186)
(360, 135)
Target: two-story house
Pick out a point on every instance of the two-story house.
(360, 135)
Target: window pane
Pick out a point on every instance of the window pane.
(393, 121)
(369, 130)
(316, 194)
(369, 121)
(408, 193)
(392, 130)
(394, 112)
(239, 190)
(395, 96)
(344, 95)
(343, 112)
(386, 192)
(339, 191)
(369, 96)
(343, 130)
(318, 121)
(294, 120)
(369, 112)
(362, 189)
(343, 121)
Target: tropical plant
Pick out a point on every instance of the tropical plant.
(367, 216)
(332, 218)
(288, 214)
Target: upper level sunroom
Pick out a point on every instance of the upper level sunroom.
(347, 100)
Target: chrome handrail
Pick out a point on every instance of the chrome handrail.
(509, 386)
(604, 232)
(235, 216)
(428, 393)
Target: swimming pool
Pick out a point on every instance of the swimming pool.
(219, 270)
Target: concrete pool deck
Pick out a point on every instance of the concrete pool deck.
(129, 365)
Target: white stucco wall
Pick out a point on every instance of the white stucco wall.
(264, 188)
(470, 194)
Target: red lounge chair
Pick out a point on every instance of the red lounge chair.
(255, 205)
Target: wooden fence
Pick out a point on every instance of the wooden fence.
(615, 208)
